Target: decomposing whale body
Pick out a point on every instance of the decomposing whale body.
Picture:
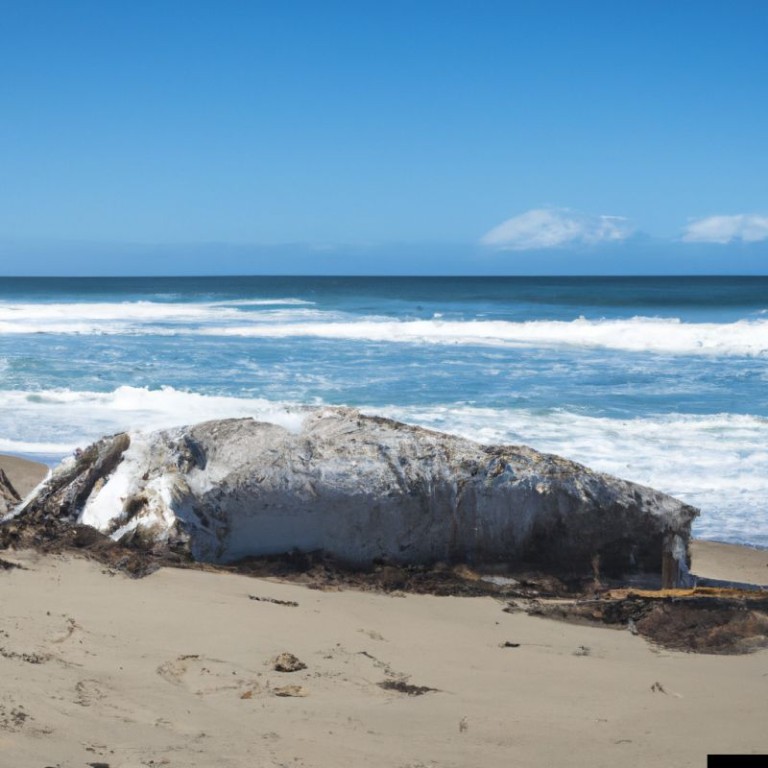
(9, 498)
(361, 488)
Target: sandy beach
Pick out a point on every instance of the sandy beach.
(383, 385)
(23, 474)
(179, 669)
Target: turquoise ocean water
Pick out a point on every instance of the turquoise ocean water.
(659, 380)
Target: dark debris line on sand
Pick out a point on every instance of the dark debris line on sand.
(400, 686)
(702, 621)
(274, 601)
(734, 623)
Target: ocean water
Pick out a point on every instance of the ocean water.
(663, 381)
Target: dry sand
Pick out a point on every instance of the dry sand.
(729, 562)
(23, 474)
(176, 670)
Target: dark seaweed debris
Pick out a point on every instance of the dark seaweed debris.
(402, 687)
(729, 622)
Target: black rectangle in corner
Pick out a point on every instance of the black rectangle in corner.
(737, 761)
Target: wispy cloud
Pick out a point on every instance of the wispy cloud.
(747, 227)
(554, 227)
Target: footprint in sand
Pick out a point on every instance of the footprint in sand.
(69, 630)
(88, 693)
(204, 676)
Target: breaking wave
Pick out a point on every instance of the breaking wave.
(146, 317)
(637, 334)
(71, 419)
(296, 318)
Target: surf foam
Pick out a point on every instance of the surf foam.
(71, 419)
(637, 334)
(286, 318)
(148, 317)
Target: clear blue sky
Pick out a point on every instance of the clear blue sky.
(383, 136)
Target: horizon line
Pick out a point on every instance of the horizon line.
(403, 276)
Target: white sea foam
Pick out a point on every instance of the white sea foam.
(67, 419)
(147, 317)
(637, 334)
(260, 303)
(290, 318)
(35, 448)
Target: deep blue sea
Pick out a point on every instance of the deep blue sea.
(663, 381)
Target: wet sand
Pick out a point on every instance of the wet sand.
(177, 669)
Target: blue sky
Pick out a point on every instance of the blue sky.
(383, 137)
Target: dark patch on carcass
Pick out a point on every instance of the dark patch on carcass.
(65, 493)
(6, 488)
(134, 505)
(191, 455)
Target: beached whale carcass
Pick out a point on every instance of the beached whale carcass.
(361, 488)
(9, 498)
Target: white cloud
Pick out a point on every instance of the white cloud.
(553, 227)
(747, 227)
